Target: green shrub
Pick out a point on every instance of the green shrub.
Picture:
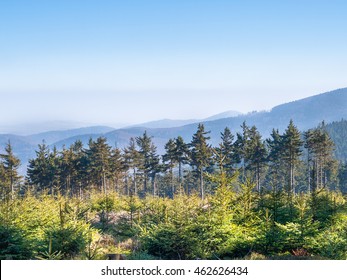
(13, 245)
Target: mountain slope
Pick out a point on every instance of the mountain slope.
(51, 137)
(168, 123)
(306, 113)
(164, 123)
(330, 106)
(338, 133)
(223, 115)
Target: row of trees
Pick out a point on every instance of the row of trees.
(291, 161)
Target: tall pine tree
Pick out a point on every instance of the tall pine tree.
(292, 150)
(132, 162)
(144, 143)
(201, 154)
(10, 164)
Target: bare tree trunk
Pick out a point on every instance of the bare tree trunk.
(180, 172)
(172, 183)
(202, 185)
(153, 185)
(12, 186)
(135, 185)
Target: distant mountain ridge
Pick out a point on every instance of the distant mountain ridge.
(223, 115)
(168, 123)
(51, 137)
(164, 123)
(28, 128)
(306, 113)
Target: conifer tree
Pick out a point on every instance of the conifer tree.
(117, 167)
(320, 150)
(201, 155)
(4, 191)
(342, 176)
(154, 167)
(54, 165)
(177, 152)
(39, 172)
(292, 144)
(144, 143)
(10, 164)
(74, 168)
(132, 161)
(169, 159)
(99, 154)
(241, 147)
(80, 166)
(319, 147)
(181, 155)
(67, 169)
(275, 159)
(226, 150)
(256, 155)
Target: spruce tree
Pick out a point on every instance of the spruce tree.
(39, 173)
(201, 155)
(67, 169)
(169, 159)
(275, 160)
(256, 155)
(144, 143)
(54, 169)
(132, 161)
(154, 167)
(10, 164)
(4, 190)
(227, 151)
(320, 149)
(117, 167)
(292, 144)
(177, 152)
(182, 154)
(80, 178)
(99, 154)
(241, 147)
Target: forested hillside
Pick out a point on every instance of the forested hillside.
(277, 197)
(338, 133)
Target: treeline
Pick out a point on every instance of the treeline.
(291, 161)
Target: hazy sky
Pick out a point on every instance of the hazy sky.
(134, 61)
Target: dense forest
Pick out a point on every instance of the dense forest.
(247, 198)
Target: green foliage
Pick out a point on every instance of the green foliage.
(13, 245)
(141, 256)
(9, 177)
(50, 254)
(201, 154)
(331, 242)
(44, 227)
(338, 133)
(166, 241)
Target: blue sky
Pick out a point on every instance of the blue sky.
(134, 61)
